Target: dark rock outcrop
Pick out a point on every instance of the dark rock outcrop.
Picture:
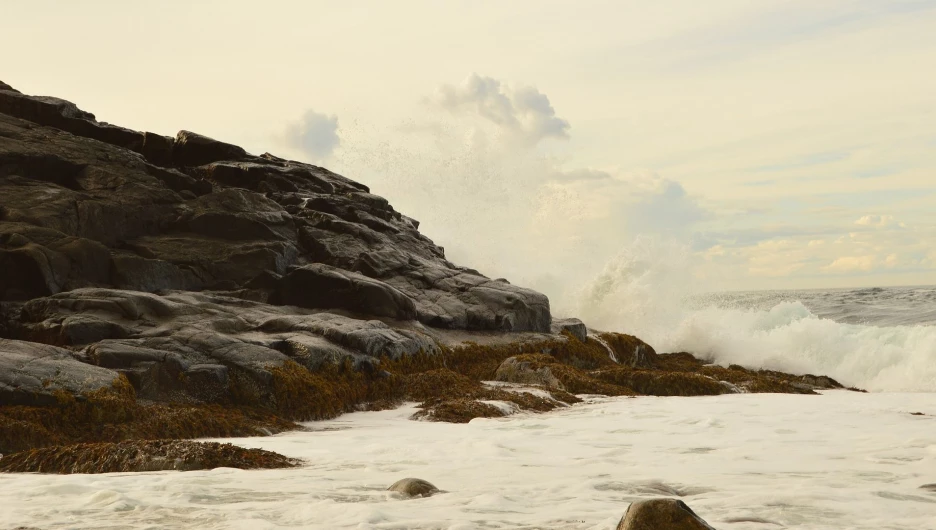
(659, 514)
(201, 273)
(198, 347)
(155, 286)
(88, 204)
(320, 285)
(35, 374)
(136, 456)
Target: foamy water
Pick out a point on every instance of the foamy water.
(881, 339)
(745, 462)
(789, 337)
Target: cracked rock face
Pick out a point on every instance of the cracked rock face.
(185, 262)
(185, 346)
(31, 374)
(87, 204)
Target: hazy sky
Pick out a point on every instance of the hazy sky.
(758, 144)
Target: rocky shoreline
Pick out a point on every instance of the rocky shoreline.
(171, 288)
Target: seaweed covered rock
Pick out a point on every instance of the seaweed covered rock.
(629, 350)
(137, 456)
(458, 411)
(659, 383)
(527, 372)
(660, 514)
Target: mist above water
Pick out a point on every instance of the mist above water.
(616, 250)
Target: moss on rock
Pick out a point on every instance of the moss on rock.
(448, 385)
(147, 455)
(457, 411)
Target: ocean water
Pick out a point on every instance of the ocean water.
(746, 462)
(878, 339)
(840, 460)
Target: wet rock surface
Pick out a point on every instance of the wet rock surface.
(138, 456)
(660, 514)
(526, 372)
(34, 374)
(87, 204)
(414, 487)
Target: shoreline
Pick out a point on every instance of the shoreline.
(843, 460)
(450, 387)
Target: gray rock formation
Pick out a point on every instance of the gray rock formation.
(185, 346)
(572, 326)
(514, 370)
(660, 514)
(32, 374)
(88, 204)
(187, 264)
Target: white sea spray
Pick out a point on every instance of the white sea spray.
(840, 460)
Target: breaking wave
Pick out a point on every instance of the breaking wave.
(849, 335)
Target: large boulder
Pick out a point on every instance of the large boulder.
(193, 149)
(414, 487)
(572, 326)
(661, 514)
(525, 372)
(36, 374)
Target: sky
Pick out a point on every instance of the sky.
(725, 144)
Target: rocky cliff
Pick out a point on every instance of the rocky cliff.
(101, 228)
(140, 271)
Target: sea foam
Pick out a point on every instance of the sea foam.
(650, 291)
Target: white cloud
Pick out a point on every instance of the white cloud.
(315, 135)
(878, 221)
(846, 264)
(523, 111)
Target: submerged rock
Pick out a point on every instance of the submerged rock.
(136, 456)
(414, 487)
(457, 411)
(661, 514)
